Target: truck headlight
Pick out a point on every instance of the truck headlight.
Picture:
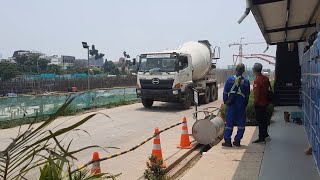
(138, 91)
(175, 92)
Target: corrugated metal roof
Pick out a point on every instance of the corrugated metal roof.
(286, 20)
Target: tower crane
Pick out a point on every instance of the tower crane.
(240, 44)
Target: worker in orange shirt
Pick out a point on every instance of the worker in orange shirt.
(261, 102)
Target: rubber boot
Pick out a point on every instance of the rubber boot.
(227, 144)
(236, 143)
(263, 141)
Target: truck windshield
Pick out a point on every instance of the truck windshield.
(158, 64)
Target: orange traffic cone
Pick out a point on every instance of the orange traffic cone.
(185, 141)
(156, 151)
(95, 165)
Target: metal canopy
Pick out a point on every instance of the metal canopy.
(286, 20)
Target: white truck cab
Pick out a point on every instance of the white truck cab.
(170, 76)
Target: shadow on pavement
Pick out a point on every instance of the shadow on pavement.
(234, 147)
(250, 163)
(163, 107)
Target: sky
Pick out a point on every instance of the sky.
(58, 27)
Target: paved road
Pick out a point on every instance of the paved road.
(129, 125)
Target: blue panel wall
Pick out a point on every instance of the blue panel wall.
(310, 94)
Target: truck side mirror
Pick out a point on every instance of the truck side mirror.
(216, 53)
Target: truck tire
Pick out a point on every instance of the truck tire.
(216, 95)
(188, 100)
(147, 103)
(213, 93)
(206, 96)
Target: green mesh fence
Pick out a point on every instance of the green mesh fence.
(31, 106)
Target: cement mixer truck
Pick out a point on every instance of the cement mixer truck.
(173, 75)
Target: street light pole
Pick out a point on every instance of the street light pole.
(88, 70)
(85, 46)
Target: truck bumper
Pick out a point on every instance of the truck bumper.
(167, 95)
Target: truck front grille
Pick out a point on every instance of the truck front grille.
(156, 83)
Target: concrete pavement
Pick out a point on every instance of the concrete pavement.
(281, 158)
(223, 163)
(128, 126)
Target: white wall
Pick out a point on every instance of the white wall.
(55, 60)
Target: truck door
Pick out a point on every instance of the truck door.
(185, 71)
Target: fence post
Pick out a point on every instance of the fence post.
(95, 99)
(124, 94)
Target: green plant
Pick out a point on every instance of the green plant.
(54, 170)
(8, 70)
(270, 112)
(42, 147)
(31, 63)
(20, 122)
(223, 110)
(72, 109)
(250, 112)
(84, 174)
(155, 169)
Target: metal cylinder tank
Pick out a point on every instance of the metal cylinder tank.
(206, 131)
(201, 57)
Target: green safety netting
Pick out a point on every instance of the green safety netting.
(31, 106)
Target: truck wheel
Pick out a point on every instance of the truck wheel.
(206, 96)
(213, 93)
(188, 100)
(147, 103)
(216, 93)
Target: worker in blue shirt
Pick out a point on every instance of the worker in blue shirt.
(236, 96)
